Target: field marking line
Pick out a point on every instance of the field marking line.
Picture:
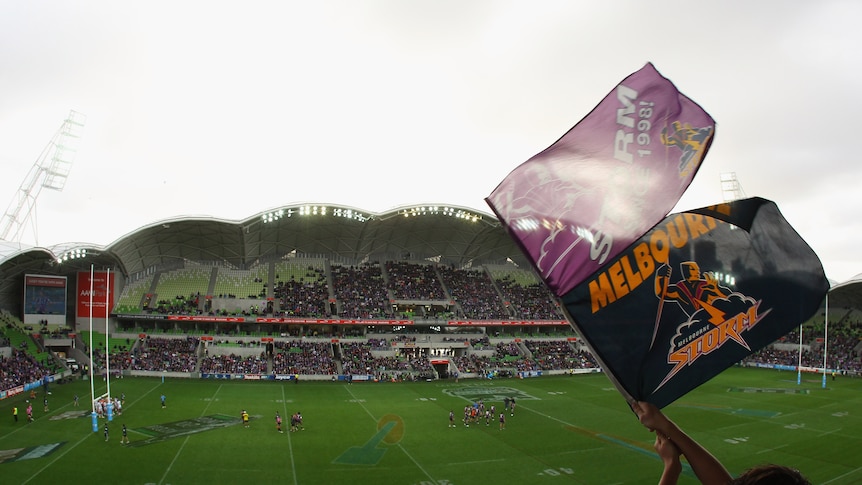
(399, 445)
(610, 439)
(768, 450)
(572, 452)
(839, 477)
(474, 462)
(171, 465)
(289, 442)
(826, 433)
(60, 455)
(142, 396)
(64, 452)
(34, 420)
(15, 430)
(182, 446)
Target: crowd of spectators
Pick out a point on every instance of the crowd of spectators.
(411, 281)
(530, 302)
(474, 364)
(360, 291)
(551, 355)
(842, 351)
(164, 354)
(180, 305)
(416, 360)
(356, 358)
(365, 291)
(480, 343)
(306, 297)
(118, 360)
(234, 364)
(303, 357)
(559, 355)
(475, 292)
(507, 350)
(19, 369)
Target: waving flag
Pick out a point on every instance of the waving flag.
(607, 181)
(696, 294)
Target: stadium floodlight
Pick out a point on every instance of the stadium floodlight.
(350, 214)
(77, 253)
(313, 210)
(272, 216)
(50, 171)
(731, 189)
(436, 210)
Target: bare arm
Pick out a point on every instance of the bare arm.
(707, 468)
(669, 454)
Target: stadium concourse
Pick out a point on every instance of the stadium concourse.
(322, 292)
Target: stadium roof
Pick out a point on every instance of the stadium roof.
(443, 233)
(847, 294)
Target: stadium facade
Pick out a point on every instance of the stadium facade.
(451, 235)
(460, 237)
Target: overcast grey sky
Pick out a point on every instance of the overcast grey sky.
(227, 109)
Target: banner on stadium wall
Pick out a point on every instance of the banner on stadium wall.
(102, 294)
(615, 174)
(331, 321)
(503, 323)
(44, 299)
(696, 294)
(529, 373)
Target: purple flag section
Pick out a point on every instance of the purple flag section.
(695, 295)
(607, 181)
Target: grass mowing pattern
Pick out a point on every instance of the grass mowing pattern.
(567, 429)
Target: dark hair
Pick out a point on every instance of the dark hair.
(771, 475)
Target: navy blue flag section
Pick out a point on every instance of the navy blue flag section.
(696, 294)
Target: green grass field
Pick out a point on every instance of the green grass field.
(568, 429)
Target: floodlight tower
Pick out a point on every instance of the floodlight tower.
(731, 189)
(50, 171)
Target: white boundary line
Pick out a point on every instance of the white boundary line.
(67, 450)
(408, 455)
(289, 442)
(168, 470)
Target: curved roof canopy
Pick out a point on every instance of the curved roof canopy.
(444, 233)
(451, 234)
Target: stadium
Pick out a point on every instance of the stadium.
(378, 325)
